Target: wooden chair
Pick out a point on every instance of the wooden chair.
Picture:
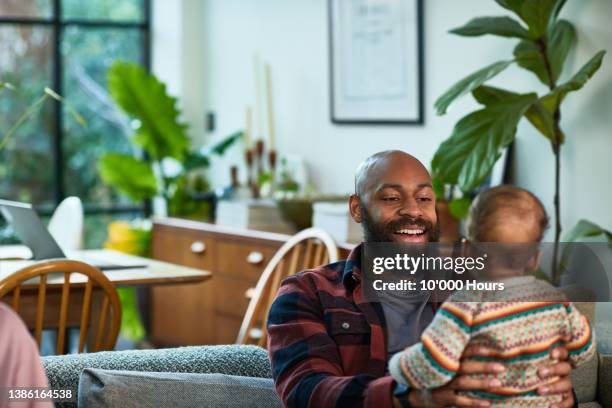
(56, 303)
(307, 249)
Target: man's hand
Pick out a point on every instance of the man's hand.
(563, 386)
(447, 395)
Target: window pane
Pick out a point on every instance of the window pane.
(26, 162)
(89, 53)
(26, 8)
(116, 10)
(96, 227)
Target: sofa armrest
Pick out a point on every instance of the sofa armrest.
(604, 379)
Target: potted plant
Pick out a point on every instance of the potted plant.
(163, 164)
(467, 157)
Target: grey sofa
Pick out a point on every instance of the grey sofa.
(187, 372)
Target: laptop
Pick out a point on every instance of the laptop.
(32, 232)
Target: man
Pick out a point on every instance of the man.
(330, 347)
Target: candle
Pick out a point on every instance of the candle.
(248, 127)
(258, 112)
(270, 107)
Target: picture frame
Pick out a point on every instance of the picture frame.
(376, 61)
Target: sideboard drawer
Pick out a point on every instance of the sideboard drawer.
(243, 260)
(184, 247)
(230, 299)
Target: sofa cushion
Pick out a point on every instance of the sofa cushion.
(64, 371)
(132, 389)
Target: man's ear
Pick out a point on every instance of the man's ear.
(355, 208)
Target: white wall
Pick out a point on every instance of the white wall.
(214, 72)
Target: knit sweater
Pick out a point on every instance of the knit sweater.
(522, 327)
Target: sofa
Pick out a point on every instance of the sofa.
(218, 376)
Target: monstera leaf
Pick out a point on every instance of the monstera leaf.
(144, 98)
(584, 229)
(468, 155)
(129, 175)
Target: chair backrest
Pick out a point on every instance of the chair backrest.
(307, 249)
(61, 304)
(66, 224)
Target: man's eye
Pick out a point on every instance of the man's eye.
(424, 199)
(390, 198)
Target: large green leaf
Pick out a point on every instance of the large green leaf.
(144, 97)
(561, 40)
(469, 83)
(201, 158)
(552, 100)
(468, 155)
(537, 114)
(502, 26)
(129, 175)
(529, 56)
(537, 14)
(584, 229)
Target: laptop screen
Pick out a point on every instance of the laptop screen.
(30, 230)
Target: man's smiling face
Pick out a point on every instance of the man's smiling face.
(394, 200)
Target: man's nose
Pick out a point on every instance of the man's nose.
(411, 208)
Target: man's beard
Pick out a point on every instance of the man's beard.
(374, 232)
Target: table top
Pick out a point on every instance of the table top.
(152, 273)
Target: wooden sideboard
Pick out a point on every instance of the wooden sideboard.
(210, 312)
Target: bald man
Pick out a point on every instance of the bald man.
(329, 347)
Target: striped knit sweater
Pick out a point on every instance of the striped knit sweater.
(521, 328)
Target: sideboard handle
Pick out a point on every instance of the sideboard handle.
(198, 247)
(255, 258)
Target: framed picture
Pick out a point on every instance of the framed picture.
(376, 61)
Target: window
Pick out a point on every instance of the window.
(67, 45)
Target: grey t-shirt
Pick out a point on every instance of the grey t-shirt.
(406, 315)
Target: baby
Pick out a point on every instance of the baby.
(522, 333)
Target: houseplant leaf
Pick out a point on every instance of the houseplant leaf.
(501, 26)
(468, 155)
(584, 229)
(469, 83)
(552, 100)
(144, 97)
(129, 175)
(528, 56)
(561, 40)
(460, 207)
(512, 5)
(537, 114)
(537, 15)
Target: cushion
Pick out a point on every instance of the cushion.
(132, 389)
(64, 371)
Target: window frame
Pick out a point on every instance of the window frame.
(58, 25)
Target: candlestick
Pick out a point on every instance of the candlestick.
(259, 150)
(248, 127)
(258, 102)
(272, 163)
(248, 158)
(271, 130)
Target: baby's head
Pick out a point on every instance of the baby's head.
(513, 216)
(506, 214)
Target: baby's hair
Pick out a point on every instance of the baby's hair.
(491, 207)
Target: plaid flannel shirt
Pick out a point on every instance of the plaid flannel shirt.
(327, 345)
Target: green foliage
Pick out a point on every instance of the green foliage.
(162, 136)
(130, 176)
(584, 229)
(468, 156)
(460, 207)
(501, 26)
(142, 96)
(468, 84)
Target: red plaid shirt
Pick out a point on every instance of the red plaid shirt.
(327, 345)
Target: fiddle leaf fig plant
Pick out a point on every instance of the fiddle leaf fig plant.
(467, 157)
